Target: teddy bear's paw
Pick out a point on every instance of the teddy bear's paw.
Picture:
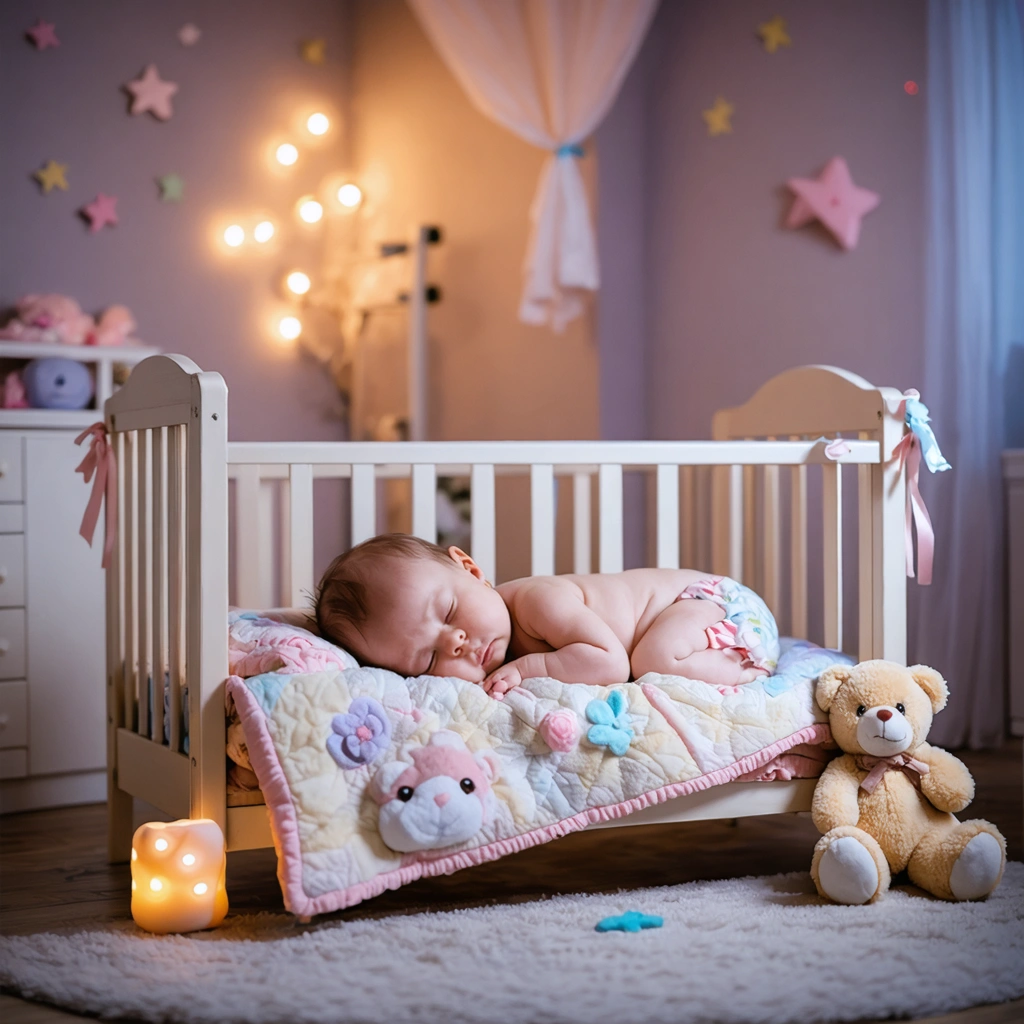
(977, 869)
(847, 872)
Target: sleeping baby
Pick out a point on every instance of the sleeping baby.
(401, 603)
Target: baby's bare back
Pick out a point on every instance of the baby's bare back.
(628, 602)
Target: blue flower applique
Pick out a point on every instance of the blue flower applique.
(612, 727)
(360, 736)
(630, 921)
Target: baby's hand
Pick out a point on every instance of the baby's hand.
(503, 679)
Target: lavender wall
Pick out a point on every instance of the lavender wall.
(240, 83)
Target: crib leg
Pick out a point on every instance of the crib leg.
(119, 825)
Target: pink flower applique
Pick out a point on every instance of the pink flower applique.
(560, 730)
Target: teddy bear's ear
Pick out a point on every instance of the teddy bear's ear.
(385, 778)
(828, 684)
(490, 762)
(932, 683)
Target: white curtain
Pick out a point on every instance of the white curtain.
(547, 70)
(975, 319)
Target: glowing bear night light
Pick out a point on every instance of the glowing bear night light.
(178, 876)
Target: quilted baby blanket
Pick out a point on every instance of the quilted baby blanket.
(373, 780)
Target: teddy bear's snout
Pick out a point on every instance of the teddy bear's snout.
(884, 714)
(883, 731)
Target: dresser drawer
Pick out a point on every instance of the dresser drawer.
(12, 643)
(12, 518)
(12, 570)
(14, 714)
(10, 467)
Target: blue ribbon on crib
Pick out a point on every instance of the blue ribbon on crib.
(918, 444)
(569, 149)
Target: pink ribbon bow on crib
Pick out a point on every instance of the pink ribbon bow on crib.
(876, 767)
(908, 451)
(99, 462)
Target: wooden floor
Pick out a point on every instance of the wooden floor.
(53, 869)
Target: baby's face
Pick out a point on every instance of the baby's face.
(439, 620)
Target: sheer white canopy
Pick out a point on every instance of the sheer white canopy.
(548, 70)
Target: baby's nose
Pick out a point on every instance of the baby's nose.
(884, 716)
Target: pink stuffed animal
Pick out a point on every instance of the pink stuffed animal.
(48, 318)
(443, 798)
(58, 319)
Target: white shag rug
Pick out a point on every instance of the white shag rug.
(743, 950)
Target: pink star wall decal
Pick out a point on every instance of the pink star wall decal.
(834, 200)
(101, 211)
(151, 93)
(43, 34)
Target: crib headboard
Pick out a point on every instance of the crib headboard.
(168, 589)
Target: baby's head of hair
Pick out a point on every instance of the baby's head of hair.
(345, 596)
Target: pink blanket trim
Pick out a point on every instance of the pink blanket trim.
(286, 831)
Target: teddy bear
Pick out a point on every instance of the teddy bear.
(58, 319)
(886, 804)
(443, 798)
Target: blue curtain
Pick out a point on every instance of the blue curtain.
(974, 340)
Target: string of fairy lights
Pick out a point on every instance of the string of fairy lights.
(308, 208)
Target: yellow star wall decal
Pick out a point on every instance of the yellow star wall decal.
(717, 117)
(314, 51)
(52, 176)
(774, 34)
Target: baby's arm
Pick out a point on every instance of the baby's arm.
(586, 650)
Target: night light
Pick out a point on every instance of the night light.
(234, 235)
(298, 283)
(289, 327)
(310, 210)
(287, 154)
(264, 231)
(318, 124)
(350, 195)
(178, 876)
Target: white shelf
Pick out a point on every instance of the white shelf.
(49, 419)
(83, 353)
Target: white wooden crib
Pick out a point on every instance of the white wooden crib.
(168, 586)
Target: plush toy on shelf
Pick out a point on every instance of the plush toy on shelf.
(59, 320)
(887, 804)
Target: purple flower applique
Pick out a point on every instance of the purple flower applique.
(360, 736)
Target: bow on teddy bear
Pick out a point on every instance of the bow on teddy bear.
(887, 804)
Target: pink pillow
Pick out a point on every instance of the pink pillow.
(271, 641)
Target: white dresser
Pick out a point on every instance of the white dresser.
(52, 648)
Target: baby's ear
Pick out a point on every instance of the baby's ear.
(828, 684)
(932, 683)
(464, 561)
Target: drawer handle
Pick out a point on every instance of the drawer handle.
(3, 469)
(4, 719)
(5, 646)
(3, 574)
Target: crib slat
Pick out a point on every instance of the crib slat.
(688, 513)
(581, 525)
(750, 569)
(424, 502)
(264, 553)
(175, 575)
(364, 503)
(159, 582)
(609, 496)
(770, 591)
(798, 551)
(142, 483)
(667, 525)
(736, 523)
(300, 534)
(482, 522)
(128, 569)
(247, 536)
(832, 533)
(542, 520)
(865, 563)
(115, 613)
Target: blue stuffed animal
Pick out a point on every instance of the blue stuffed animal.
(57, 384)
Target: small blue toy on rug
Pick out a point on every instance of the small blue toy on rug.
(630, 921)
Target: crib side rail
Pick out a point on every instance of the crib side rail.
(167, 593)
(595, 468)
